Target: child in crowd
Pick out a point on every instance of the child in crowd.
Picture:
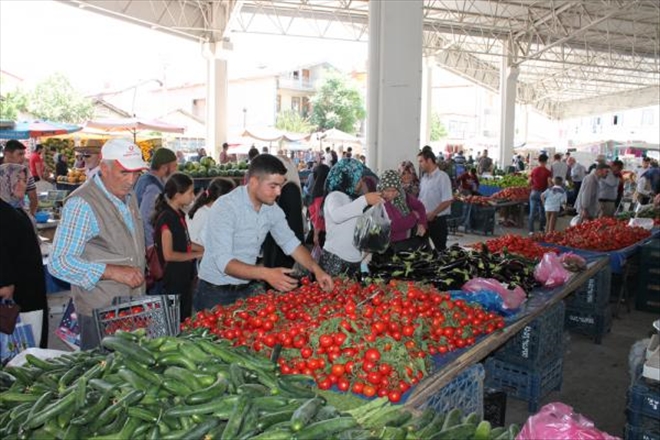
(175, 250)
(553, 199)
(199, 213)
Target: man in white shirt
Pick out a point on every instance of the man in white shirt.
(577, 173)
(436, 195)
(558, 168)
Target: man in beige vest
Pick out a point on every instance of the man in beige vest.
(99, 243)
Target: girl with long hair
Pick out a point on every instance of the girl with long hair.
(198, 214)
(316, 207)
(175, 250)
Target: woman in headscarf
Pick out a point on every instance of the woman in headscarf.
(290, 200)
(407, 214)
(409, 179)
(316, 207)
(342, 207)
(21, 267)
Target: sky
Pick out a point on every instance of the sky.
(40, 37)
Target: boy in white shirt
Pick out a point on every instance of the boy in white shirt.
(553, 199)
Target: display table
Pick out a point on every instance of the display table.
(448, 366)
(47, 229)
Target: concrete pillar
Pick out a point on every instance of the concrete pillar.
(394, 93)
(216, 95)
(508, 82)
(427, 102)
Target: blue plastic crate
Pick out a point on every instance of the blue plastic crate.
(647, 296)
(633, 433)
(593, 323)
(465, 392)
(644, 400)
(523, 383)
(594, 294)
(539, 342)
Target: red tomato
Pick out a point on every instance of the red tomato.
(394, 396)
(358, 387)
(372, 355)
(368, 391)
(338, 369)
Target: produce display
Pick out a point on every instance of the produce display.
(602, 235)
(194, 388)
(476, 200)
(450, 269)
(73, 176)
(513, 193)
(515, 244)
(508, 181)
(63, 146)
(207, 167)
(373, 340)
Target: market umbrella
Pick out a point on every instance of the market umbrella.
(133, 125)
(34, 129)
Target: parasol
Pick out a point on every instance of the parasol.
(34, 129)
(133, 125)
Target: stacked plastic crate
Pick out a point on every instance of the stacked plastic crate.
(481, 219)
(643, 410)
(530, 365)
(588, 309)
(648, 284)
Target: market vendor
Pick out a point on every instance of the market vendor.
(237, 226)
(99, 244)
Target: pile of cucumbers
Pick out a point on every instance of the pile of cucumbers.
(192, 387)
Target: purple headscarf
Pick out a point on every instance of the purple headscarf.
(9, 176)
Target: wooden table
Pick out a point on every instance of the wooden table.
(540, 301)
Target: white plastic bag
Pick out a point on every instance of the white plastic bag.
(372, 231)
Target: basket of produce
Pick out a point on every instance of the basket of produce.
(151, 313)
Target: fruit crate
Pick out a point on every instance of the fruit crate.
(529, 384)
(481, 219)
(635, 433)
(647, 296)
(539, 342)
(146, 312)
(643, 401)
(465, 392)
(594, 294)
(589, 322)
(172, 303)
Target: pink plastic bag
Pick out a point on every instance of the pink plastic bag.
(550, 271)
(512, 298)
(557, 421)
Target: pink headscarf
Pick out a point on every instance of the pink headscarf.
(9, 175)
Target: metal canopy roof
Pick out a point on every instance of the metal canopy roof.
(575, 58)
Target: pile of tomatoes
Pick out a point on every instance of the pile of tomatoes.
(374, 340)
(476, 200)
(128, 318)
(602, 235)
(515, 244)
(514, 193)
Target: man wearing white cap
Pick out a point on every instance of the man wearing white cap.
(99, 243)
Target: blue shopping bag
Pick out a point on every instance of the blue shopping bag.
(19, 340)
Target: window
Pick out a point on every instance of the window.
(296, 75)
(295, 104)
(616, 120)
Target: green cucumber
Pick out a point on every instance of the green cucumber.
(293, 389)
(327, 412)
(40, 404)
(235, 422)
(236, 376)
(206, 394)
(51, 411)
(457, 432)
(18, 397)
(275, 434)
(270, 403)
(193, 352)
(184, 376)
(170, 359)
(142, 371)
(326, 428)
(200, 430)
(253, 390)
(392, 433)
(176, 388)
(305, 413)
(483, 431)
(134, 380)
(417, 423)
(218, 407)
(433, 427)
(129, 349)
(40, 363)
(453, 419)
(143, 414)
(90, 415)
(472, 418)
(268, 420)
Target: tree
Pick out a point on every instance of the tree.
(290, 120)
(13, 103)
(337, 104)
(55, 99)
(438, 130)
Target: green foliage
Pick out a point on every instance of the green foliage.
(337, 104)
(12, 103)
(438, 130)
(55, 99)
(292, 121)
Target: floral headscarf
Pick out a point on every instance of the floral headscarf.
(344, 176)
(391, 179)
(9, 175)
(411, 188)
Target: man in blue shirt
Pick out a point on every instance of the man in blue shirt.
(238, 224)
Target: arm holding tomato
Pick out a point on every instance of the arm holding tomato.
(304, 258)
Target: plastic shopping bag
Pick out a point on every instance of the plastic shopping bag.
(558, 421)
(512, 298)
(68, 330)
(372, 231)
(19, 340)
(550, 271)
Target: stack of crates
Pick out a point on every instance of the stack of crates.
(648, 283)
(588, 309)
(643, 410)
(530, 365)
